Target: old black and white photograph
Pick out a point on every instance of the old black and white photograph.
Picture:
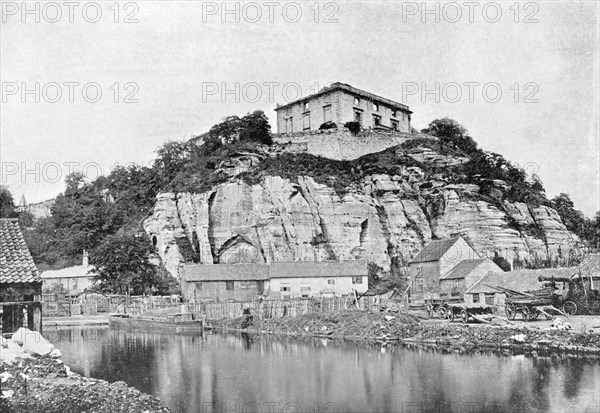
(302, 206)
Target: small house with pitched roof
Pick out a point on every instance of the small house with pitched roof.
(20, 283)
(446, 267)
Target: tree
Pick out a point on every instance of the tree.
(7, 204)
(501, 262)
(122, 266)
(255, 128)
(451, 132)
(573, 219)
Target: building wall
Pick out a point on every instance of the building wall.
(217, 290)
(317, 286)
(460, 251)
(462, 285)
(430, 274)
(347, 107)
(499, 299)
(342, 110)
(315, 111)
(340, 143)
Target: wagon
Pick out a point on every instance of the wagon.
(530, 304)
(467, 312)
(438, 306)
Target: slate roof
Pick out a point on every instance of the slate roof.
(225, 272)
(77, 271)
(16, 263)
(323, 269)
(520, 280)
(434, 250)
(295, 269)
(590, 265)
(462, 269)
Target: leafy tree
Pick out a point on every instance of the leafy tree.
(7, 204)
(501, 262)
(573, 219)
(122, 265)
(255, 128)
(451, 132)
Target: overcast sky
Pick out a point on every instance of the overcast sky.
(170, 67)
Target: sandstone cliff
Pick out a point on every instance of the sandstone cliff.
(381, 217)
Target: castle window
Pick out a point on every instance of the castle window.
(327, 113)
(306, 121)
(306, 106)
(394, 124)
(375, 107)
(376, 120)
(394, 112)
(356, 101)
(358, 116)
(289, 124)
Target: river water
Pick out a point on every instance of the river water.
(236, 373)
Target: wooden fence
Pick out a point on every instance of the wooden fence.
(281, 308)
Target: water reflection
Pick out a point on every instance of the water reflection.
(244, 374)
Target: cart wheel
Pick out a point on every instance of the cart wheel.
(526, 313)
(570, 308)
(510, 310)
(464, 316)
(443, 313)
(451, 315)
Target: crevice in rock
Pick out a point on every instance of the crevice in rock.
(260, 246)
(210, 230)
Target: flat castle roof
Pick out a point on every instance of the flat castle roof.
(351, 90)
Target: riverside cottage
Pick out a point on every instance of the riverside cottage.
(446, 268)
(20, 283)
(277, 280)
(73, 279)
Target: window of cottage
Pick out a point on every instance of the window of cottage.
(358, 116)
(475, 298)
(489, 299)
(357, 280)
(419, 284)
(306, 121)
(330, 281)
(327, 113)
(229, 285)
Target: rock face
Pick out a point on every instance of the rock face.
(385, 218)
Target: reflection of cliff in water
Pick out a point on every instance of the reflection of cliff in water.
(214, 372)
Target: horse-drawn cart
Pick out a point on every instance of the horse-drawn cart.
(439, 306)
(467, 312)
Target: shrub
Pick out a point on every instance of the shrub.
(353, 127)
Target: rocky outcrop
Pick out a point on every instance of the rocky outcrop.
(385, 217)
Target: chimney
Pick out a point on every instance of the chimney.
(85, 259)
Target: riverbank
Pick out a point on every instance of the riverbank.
(76, 320)
(40, 383)
(410, 330)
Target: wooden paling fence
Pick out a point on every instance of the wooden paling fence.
(280, 308)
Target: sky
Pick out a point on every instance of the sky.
(96, 85)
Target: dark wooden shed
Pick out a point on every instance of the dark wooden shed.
(20, 282)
